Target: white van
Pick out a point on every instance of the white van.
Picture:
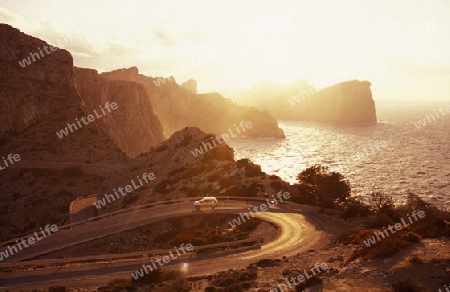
(211, 201)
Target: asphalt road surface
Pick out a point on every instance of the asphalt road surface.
(298, 234)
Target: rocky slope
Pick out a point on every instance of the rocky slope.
(133, 126)
(178, 107)
(33, 92)
(40, 99)
(37, 101)
(347, 102)
(190, 85)
(179, 173)
(45, 93)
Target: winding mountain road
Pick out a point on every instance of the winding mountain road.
(297, 234)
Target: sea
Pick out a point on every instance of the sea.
(397, 155)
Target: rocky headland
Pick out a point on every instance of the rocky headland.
(346, 103)
(179, 106)
(49, 95)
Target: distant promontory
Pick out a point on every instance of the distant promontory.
(347, 103)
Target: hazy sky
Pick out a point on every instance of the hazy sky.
(234, 44)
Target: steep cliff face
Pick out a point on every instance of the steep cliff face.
(133, 126)
(178, 107)
(348, 102)
(36, 102)
(31, 92)
(38, 99)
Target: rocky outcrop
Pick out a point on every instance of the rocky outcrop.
(30, 92)
(190, 85)
(39, 99)
(133, 126)
(41, 93)
(179, 173)
(177, 107)
(348, 102)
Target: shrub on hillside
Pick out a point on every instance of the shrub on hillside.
(249, 225)
(386, 246)
(232, 191)
(430, 226)
(235, 280)
(353, 237)
(308, 283)
(379, 221)
(252, 190)
(304, 195)
(223, 152)
(330, 188)
(381, 203)
(276, 184)
(251, 170)
(355, 209)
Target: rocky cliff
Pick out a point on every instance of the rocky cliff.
(30, 92)
(38, 89)
(190, 85)
(39, 99)
(178, 107)
(133, 127)
(348, 102)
